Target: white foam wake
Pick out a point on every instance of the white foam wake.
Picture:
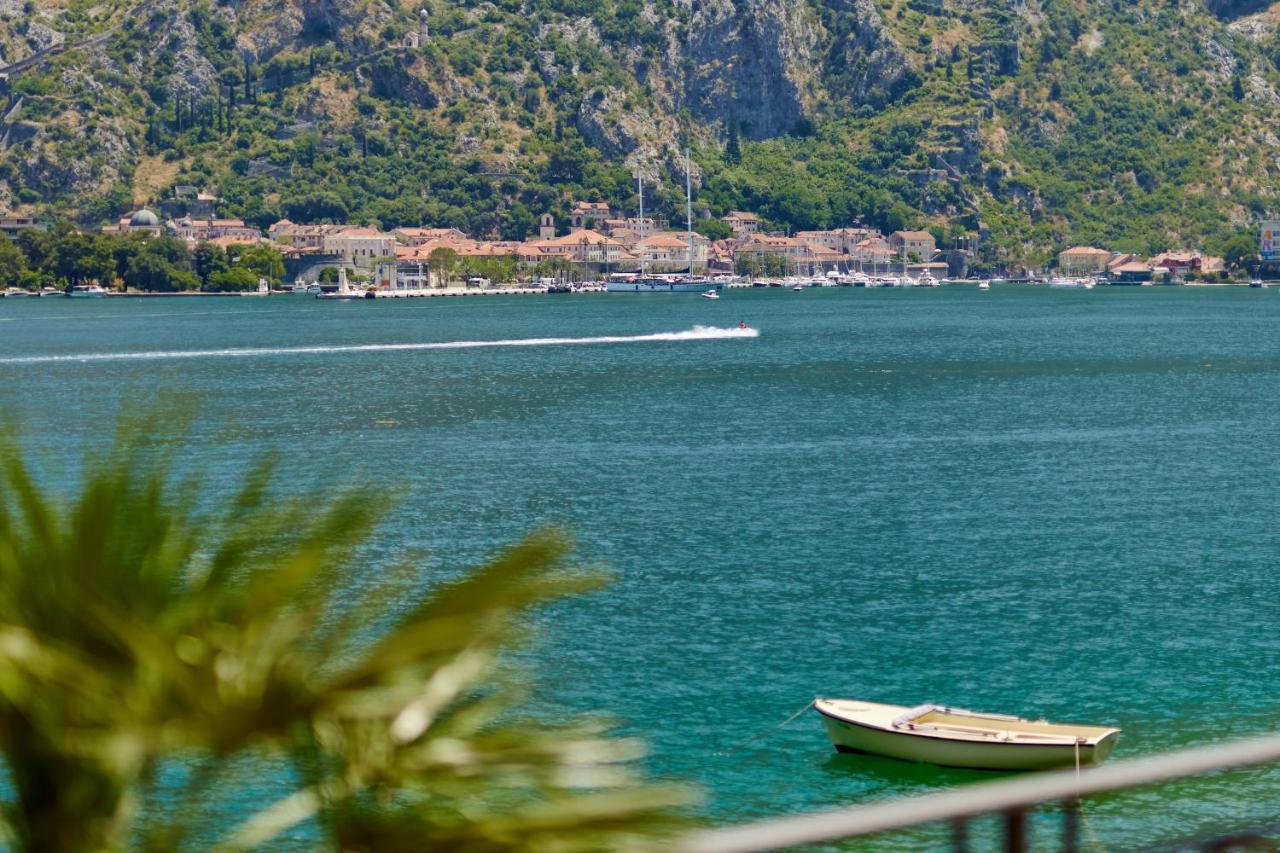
(697, 333)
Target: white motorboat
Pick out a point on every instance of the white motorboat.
(710, 294)
(984, 285)
(51, 291)
(798, 288)
(16, 293)
(1071, 283)
(87, 291)
(927, 280)
(953, 737)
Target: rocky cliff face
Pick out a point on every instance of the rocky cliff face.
(1231, 9)
(268, 26)
(750, 62)
(866, 65)
(761, 63)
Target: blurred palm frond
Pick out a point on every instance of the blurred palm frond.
(145, 624)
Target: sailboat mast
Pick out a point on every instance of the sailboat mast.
(640, 224)
(688, 207)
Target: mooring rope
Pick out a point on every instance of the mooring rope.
(769, 731)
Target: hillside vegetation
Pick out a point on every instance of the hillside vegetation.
(1141, 124)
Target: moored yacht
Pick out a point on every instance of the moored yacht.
(87, 291)
(678, 283)
(342, 290)
(51, 291)
(1071, 283)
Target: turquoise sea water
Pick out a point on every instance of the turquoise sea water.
(1051, 503)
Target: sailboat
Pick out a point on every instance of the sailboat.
(344, 290)
(687, 283)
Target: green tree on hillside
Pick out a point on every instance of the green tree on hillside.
(162, 265)
(1240, 250)
(78, 258)
(233, 280)
(12, 263)
(443, 263)
(262, 260)
(207, 260)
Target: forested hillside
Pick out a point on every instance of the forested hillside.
(1142, 124)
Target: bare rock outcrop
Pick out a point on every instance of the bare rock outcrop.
(1231, 9)
(752, 62)
(768, 65)
(869, 66)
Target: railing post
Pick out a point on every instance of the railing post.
(960, 835)
(1015, 831)
(1071, 826)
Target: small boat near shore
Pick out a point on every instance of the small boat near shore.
(953, 737)
(710, 294)
(86, 291)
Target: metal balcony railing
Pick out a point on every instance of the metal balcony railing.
(1011, 799)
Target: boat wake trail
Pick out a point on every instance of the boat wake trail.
(697, 333)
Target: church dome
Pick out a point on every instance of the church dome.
(144, 219)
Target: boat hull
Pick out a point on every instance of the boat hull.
(848, 736)
(659, 287)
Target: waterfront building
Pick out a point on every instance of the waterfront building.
(873, 250)
(761, 245)
(404, 276)
(197, 230)
(918, 243)
(546, 227)
(1181, 263)
(1083, 260)
(11, 226)
(588, 215)
(668, 251)
(580, 247)
(640, 226)
(839, 240)
(720, 256)
(743, 224)
(142, 221)
(418, 236)
(301, 237)
(1132, 272)
(626, 238)
(362, 247)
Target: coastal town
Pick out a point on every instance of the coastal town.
(592, 245)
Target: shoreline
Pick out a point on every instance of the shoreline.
(541, 291)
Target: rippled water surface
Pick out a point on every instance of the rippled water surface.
(1050, 503)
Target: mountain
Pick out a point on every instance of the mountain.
(1141, 124)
